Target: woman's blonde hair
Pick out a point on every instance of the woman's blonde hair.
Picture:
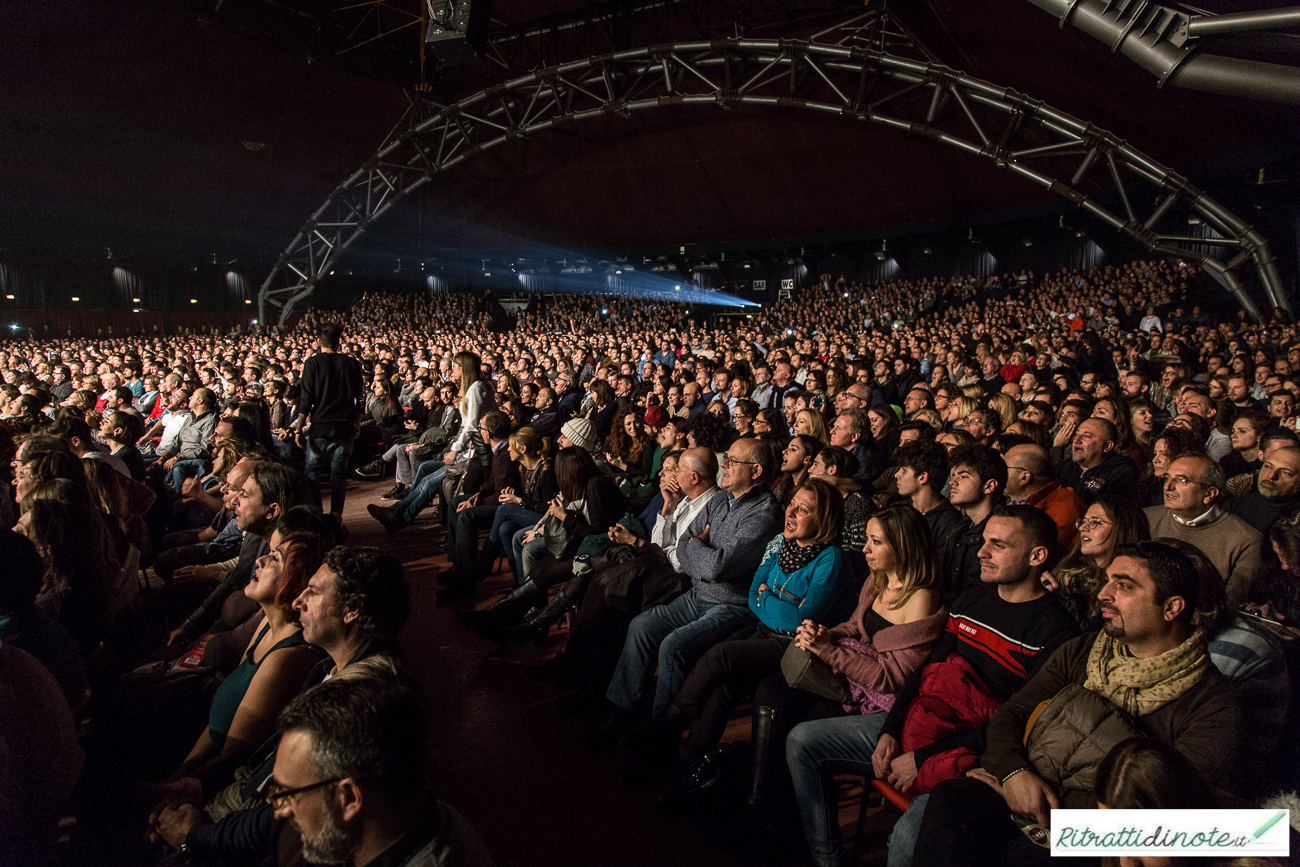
(1005, 405)
(817, 424)
(529, 442)
(915, 553)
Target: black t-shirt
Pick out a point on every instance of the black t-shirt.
(331, 394)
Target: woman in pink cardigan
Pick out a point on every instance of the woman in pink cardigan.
(899, 617)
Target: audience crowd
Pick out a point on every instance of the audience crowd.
(990, 546)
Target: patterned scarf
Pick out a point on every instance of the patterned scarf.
(1143, 686)
(794, 557)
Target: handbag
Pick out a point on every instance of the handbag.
(805, 670)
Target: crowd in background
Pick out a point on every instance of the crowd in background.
(892, 520)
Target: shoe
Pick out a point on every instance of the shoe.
(537, 625)
(608, 733)
(491, 621)
(373, 470)
(387, 516)
(396, 492)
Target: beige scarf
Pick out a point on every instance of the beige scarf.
(1143, 686)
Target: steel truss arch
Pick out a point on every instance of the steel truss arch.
(1024, 136)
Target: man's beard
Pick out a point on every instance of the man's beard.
(1114, 627)
(333, 845)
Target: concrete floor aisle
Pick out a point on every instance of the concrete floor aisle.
(500, 752)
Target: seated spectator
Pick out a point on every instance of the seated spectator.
(355, 747)
(1030, 480)
(1171, 443)
(477, 507)
(119, 430)
(977, 476)
(352, 608)
(1252, 658)
(1277, 494)
(81, 565)
(803, 576)
(921, 477)
(1108, 524)
(1193, 514)
(835, 466)
(1095, 468)
(275, 661)
(589, 504)
(1246, 457)
(1149, 662)
(720, 552)
(998, 635)
(27, 627)
(850, 432)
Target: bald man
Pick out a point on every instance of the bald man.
(1030, 480)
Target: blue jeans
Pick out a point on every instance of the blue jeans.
(427, 485)
(509, 520)
(182, 470)
(336, 452)
(814, 751)
(902, 840)
(675, 635)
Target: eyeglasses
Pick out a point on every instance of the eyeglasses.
(728, 459)
(1184, 480)
(276, 796)
(1090, 523)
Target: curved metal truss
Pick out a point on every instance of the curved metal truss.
(1026, 137)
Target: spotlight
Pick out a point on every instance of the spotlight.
(14, 327)
(248, 300)
(76, 298)
(10, 297)
(135, 300)
(1027, 242)
(194, 301)
(880, 255)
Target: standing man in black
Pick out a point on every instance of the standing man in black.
(331, 401)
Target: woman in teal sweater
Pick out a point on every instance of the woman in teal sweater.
(803, 576)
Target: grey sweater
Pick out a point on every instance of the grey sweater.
(739, 530)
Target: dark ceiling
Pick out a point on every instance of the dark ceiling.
(186, 129)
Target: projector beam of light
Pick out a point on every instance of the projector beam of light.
(478, 257)
(630, 284)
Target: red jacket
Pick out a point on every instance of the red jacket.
(952, 700)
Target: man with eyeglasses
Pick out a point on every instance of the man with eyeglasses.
(219, 541)
(1192, 513)
(352, 608)
(719, 551)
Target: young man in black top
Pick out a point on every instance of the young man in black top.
(331, 399)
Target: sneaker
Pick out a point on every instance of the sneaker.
(372, 470)
(396, 492)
